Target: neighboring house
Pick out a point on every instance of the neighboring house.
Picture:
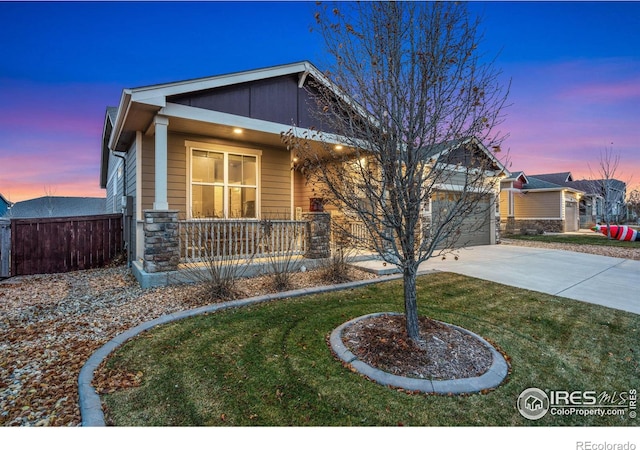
(4, 205)
(539, 202)
(50, 206)
(603, 200)
(597, 200)
(210, 150)
(600, 198)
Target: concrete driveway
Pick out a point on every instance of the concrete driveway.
(612, 282)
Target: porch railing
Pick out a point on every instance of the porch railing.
(202, 240)
(360, 235)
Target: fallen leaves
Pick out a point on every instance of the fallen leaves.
(110, 381)
(51, 324)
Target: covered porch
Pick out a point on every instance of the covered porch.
(174, 249)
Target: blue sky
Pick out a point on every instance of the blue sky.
(574, 68)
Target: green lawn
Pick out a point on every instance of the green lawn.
(270, 364)
(580, 239)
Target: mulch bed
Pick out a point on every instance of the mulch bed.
(51, 324)
(444, 354)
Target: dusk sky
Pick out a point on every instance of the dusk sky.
(574, 68)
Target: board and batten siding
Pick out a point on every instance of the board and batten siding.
(538, 205)
(278, 100)
(275, 174)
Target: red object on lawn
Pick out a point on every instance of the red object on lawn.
(619, 232)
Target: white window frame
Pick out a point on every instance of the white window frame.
(226, 150)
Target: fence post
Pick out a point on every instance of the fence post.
(319, 234)
(5, 248)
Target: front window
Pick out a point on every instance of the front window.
(224, 184)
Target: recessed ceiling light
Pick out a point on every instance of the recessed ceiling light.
(338, 147)
(237, 130)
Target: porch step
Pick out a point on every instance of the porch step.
(375, 266)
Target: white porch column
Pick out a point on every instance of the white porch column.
(161, 124)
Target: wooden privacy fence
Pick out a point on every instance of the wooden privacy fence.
(5, 247)
(64, 244)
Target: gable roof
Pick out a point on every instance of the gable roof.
(559, 178)
(109, 119)
(547, 182)
(564, 180)
(4, 200)
(139, 106)
(150, 100)
(455, 149)
(198, 103)
(57, 207)
(596, 187)
(537, 183)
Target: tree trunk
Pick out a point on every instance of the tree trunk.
(411, 302)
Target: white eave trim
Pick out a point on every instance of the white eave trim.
(123, 111)
(450, 187)
(558, 189)
(183, 87)
(160, 101)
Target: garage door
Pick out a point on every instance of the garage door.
(476, 226)
(570, 216)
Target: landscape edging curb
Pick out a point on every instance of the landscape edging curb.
(89, 402)
(491, 379)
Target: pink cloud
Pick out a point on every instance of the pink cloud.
(621, 91)
(564, 114)
(68, 168)
(50, 138)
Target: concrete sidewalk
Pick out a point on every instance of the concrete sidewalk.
(611, 282)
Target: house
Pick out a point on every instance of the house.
(602, 200)
(543, 202)
(547, 201)
(4, 205)
(51, 206)
(208, 152)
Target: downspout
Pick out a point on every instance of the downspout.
(124, 194)
(124, 170)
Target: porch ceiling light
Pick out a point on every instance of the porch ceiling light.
(237, 131)
(338, 147)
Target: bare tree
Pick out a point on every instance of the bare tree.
(633, 204)
(410, 103)
(608, 188)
